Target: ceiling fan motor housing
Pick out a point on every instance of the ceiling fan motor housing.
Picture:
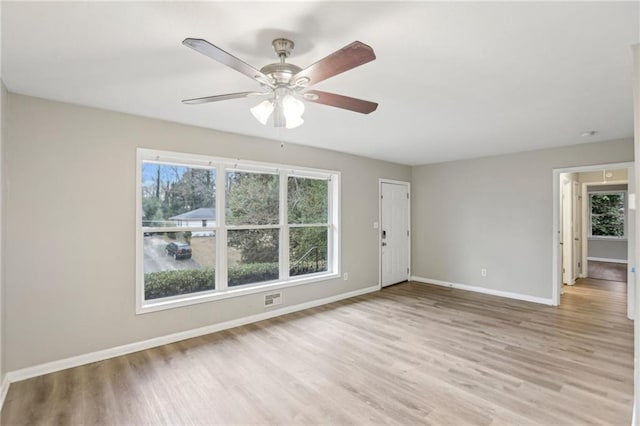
(281, 72)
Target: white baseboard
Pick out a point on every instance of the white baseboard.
(499, 293)
(75, 361)
(605, 259)
(4, 388)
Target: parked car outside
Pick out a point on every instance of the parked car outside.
(179, 250)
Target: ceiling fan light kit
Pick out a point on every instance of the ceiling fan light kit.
(286, 85)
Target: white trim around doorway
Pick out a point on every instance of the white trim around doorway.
(555, 274)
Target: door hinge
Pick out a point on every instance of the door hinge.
(407, 270)
(407, 233)
(382, 196)
(407, 195)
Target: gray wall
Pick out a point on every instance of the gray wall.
(607, 249)
(70, 285)
(495, 213)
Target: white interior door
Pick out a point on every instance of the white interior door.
(576, 227)
(567, 233)
(394, 232)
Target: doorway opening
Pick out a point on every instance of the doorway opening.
(592, 226)
(394, 232)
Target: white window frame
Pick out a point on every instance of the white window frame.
(626, 215)
(222, 165)
(330, 235)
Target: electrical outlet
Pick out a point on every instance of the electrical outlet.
(345, 276)
(483, 272)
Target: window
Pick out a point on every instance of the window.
(608, 214)
(211, 228)
(308, 219)
(253, 227)
(178, 251)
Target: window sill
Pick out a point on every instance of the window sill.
(607, 239)
(162, 304)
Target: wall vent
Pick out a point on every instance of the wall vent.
(273, 299)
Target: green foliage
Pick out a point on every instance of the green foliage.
(307, 244)
(194, 189)
(607, 214)
(255, 245)
(247, 273)
(169, 190)
(252, 198)
(307, 200)
(307, 267)
(173, 283)
(151, 210)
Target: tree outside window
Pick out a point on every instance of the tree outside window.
(608, 212)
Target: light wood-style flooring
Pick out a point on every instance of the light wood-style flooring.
(411, 354)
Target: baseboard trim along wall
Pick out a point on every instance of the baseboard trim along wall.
(75, 361)
(492, 292)
(605, 259)
(4, 388)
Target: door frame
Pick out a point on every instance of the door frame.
(566, 208)
(378, 229)
(577, 217)
(585, 220)
(556, 274)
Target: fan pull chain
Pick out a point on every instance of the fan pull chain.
(280, 137)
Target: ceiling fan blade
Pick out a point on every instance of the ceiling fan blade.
(350, 56)
(214, 52)
(340, 101)
(217, 98)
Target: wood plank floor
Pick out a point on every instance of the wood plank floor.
(410, 354)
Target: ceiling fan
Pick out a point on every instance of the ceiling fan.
(285, 85)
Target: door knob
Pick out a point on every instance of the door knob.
(384, 244)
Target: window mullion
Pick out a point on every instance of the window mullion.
(221, 238)
(284, 228)
(333, 231)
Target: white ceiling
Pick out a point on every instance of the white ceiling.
(454, 80)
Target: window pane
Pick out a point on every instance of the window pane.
(607, 215)
(178, 196)
(178, 263)
(307, 200)
(252, 198)
(307, 250)
(252, 256)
